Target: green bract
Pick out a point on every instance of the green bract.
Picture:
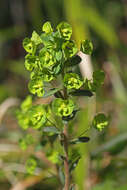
(100, 121)
(72, 81)
(47, 28)
(86, 47)
(29, 46)
(37, 116)
(36, 38)
(65, 30)
(45, 75)
(36, 87)
(63, 107)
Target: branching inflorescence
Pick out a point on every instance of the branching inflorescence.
(51, 60)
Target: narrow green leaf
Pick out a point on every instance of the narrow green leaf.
(74, 163)
(82, 93)
(80, 140)
(70, 117)
(51, 92)
(75, 60)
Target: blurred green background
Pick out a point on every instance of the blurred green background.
(104, 162)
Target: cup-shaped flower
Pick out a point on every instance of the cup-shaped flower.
(62, 107)
(44, 74)
(31, 62)
(36, 87)
(100, 121)
(31, 165)
(65, 30)
(29, 46)
(37, 116)
(69, 48)
(72, 81)
(47, 58)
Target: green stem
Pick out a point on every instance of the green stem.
(66, 161)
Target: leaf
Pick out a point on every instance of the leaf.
(80, 140)
(58, 55)
(58, 94)
(75, 60)
(86, 47)
(51, 92)
(51, 129)
(82, 93)
(57, 69)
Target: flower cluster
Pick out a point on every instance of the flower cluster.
(62, 107)
(29, 115)
(72, 81)
(48, 54)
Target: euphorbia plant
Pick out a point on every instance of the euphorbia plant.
(52, 59)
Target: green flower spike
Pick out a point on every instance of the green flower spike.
(72, 81)
(69, 48)
(36, 87)
(65, 30)
(37, 115)
(100, 121)
(63, 107)
(29, 46)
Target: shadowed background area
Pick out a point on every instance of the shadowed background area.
(103, 165)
